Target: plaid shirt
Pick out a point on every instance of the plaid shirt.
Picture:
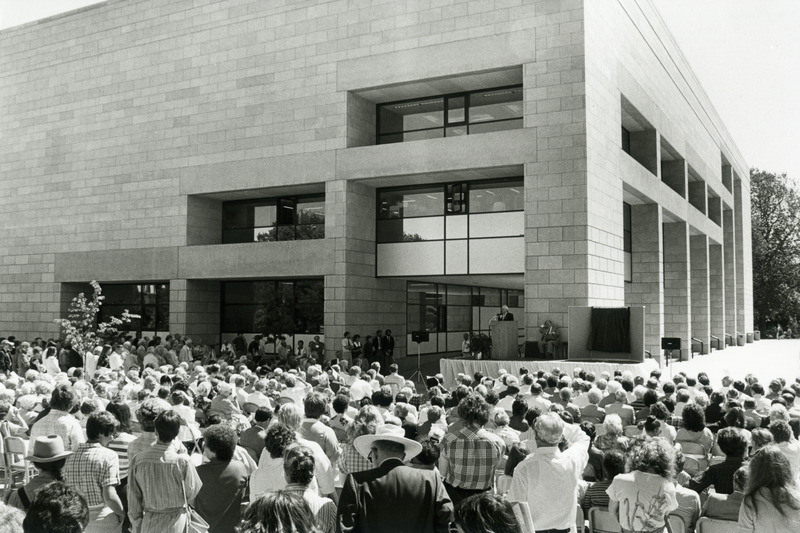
(472, 457)
(62, 424)
(90, 469)
(350, 461)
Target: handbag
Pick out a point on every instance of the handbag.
(194, 522)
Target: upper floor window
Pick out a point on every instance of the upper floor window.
(274, 219)
(417, 213)
(451, 115)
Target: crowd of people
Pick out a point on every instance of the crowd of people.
(157, 436)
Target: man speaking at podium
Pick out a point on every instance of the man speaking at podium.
(504, 315)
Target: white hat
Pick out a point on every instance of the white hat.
(391, 433)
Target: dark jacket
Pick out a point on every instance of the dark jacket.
(394, 498)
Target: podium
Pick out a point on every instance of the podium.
(504, 340)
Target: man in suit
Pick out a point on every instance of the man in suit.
(505, 315)
(393, 497)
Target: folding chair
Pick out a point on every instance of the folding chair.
(676, 523)
(15, 449)
(632, 431)
(580, 520)
(711, 525)
(695, 456)
(601, 521)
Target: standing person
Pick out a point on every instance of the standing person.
(49, 457)
(772, 498)
(371, 500)
(58, 421)
(94, 470)
(470, 454)
(377, 347)
(224, 481)
(505, 315)
(642, 499)
(388, 349)
(548, 479)
(347, 348)
(369, 350)
(239, 344)
(358, 351)
(162, 484)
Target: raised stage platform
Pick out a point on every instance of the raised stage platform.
(450, 368)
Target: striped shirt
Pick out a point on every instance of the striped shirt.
(472, 457)
(90, 469)
(323, 509)
(120, 446)
(156, 481)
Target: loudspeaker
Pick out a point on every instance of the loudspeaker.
(670, 343)
(420, 336)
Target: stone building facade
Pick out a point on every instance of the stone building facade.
(135, 132)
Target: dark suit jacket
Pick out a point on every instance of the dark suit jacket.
(509, 317)
(394, 498)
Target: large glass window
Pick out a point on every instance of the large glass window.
(149, 300)
(273, 306)
(627, 241)
(274, 219)
(432, 213)
(450, 115)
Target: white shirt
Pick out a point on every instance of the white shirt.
(548, 480)
(360, 389)
(790, 449)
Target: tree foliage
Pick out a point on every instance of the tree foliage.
(80, 324)
(776, 248)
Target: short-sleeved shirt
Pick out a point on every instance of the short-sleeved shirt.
(59, 423)
(644, 500)
(472, 457)
(90, 469)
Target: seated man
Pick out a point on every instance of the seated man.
(733, 443)
(547, 344)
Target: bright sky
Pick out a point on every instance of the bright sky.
(745, 53)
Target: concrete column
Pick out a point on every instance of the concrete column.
(729, 261)
(700, 282)
(194, 309)
(647, 272)
(355, 300)
(717, 292)
(677, 290)
(744, 261)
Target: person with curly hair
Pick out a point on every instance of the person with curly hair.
(772, 498)
(298, 469)
(486, 512)
(57, 508)
(642, 499)
(278, 512)
(269, 474)
(694, 428)
(470, 454)
(224, 481)
(365, 423)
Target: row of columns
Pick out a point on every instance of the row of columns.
(687, 283)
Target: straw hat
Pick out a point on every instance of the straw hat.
(391, 433)
(48, 449)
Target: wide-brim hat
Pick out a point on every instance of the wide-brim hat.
(391, 433)
(48, 449)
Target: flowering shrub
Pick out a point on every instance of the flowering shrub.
(80, 325)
